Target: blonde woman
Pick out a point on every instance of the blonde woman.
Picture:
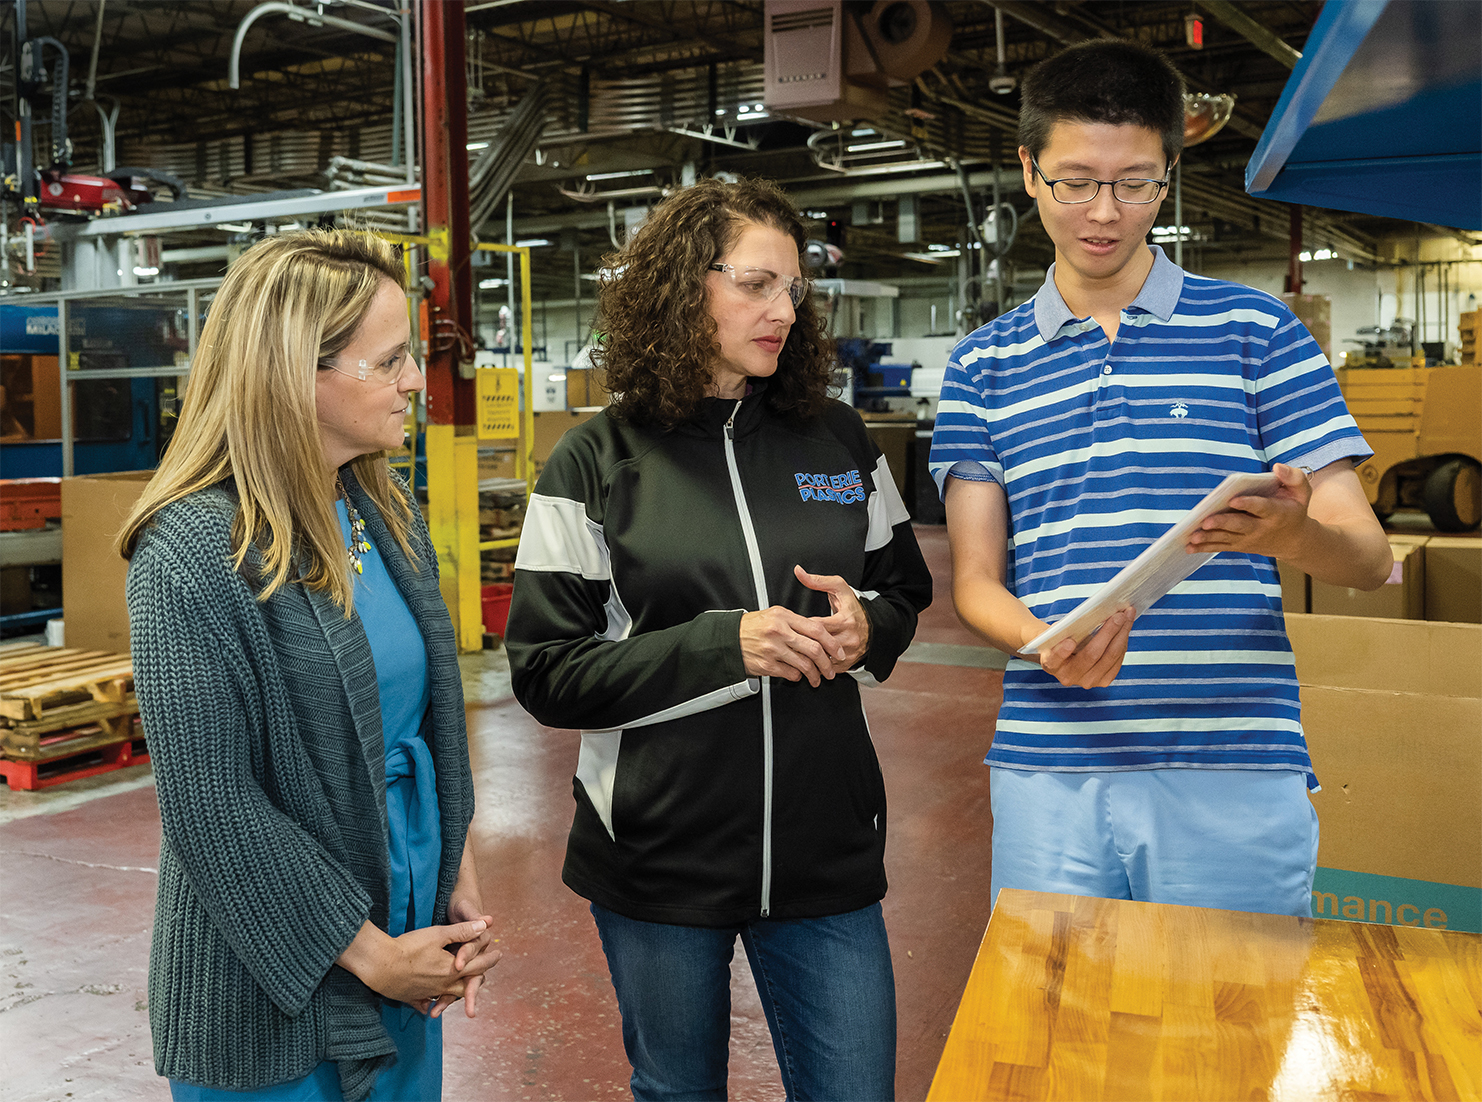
(318, 903)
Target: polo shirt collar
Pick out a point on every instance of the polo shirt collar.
(1158, 296)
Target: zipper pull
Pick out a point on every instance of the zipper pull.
(731, 420)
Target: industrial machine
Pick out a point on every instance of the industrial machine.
(1425, 426)
(119, 422)
(1381, 346)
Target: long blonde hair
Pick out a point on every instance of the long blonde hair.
(290, 302)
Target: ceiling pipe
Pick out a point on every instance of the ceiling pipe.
(1062, 30)
(92, 67)
(297, 13)
(1046, 22)
(1261, 37)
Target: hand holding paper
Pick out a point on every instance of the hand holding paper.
(1095, 663)
(1162, 566)
(1261, 523)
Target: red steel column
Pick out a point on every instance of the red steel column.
(450, 398)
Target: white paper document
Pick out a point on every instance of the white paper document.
(1157, 570)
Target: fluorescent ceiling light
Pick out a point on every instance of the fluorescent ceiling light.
(471, 146)
(491, 284)
(535, 242)
(146, 271)
(866, 147)
(618, 175)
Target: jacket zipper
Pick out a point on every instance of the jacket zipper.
(759, 578)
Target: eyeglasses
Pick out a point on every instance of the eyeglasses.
(1076, 189)
(381, 373)
(764, 286)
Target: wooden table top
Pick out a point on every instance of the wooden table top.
(1089, 999)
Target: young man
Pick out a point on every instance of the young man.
(1162, 760)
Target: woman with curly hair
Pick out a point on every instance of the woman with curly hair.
(701, 565)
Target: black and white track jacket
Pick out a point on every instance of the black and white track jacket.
(705, 797)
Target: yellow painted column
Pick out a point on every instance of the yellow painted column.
(453, 517)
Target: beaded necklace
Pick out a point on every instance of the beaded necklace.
(358, 543)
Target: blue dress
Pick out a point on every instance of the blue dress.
(415, 839)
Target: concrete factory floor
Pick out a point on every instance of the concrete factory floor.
(77, 886)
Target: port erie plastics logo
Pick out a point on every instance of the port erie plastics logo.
(841, 488)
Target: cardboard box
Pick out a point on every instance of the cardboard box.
(1453, 579)
(497, 459)
(550, 426)
(1402, 597)
(1296, 589)
(1316, 313)
(93, 510)
(584, 388)
(1392, 711)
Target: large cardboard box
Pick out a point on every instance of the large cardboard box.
(1453, 579)
(1296, 588)
(1401, 597)
(93, 511)
(551, 425)
(1392, 711)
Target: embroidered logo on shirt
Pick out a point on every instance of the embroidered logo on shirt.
(842, 488)
(1179, 410)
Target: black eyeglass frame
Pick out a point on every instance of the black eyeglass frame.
(1161, 184)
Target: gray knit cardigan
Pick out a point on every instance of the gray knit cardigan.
(264, 727)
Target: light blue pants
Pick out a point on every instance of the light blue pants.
(1233, 839)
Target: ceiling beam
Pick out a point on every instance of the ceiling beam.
(1263, 38)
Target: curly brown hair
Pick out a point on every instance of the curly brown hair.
(658, 339)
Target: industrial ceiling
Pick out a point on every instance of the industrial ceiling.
(636, 94)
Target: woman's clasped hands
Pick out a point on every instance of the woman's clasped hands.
(777, 642)
(430, 968)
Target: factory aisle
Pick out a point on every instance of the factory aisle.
(77, 894)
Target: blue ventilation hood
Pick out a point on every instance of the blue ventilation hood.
(1383, 114)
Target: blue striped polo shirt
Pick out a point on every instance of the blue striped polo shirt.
(1100, 448)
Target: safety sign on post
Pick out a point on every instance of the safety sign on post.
(498, 390)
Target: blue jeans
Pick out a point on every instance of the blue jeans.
(826, 985)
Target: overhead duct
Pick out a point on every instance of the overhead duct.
(830, 61)
(493, 174)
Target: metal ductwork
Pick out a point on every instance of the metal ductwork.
(493, 174)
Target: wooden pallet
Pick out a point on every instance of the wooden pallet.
(81, 756)
(36, 740)
(36, 681)
(66, 714)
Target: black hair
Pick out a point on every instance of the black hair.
(1105, 80)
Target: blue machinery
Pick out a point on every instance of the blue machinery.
(104, 398)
